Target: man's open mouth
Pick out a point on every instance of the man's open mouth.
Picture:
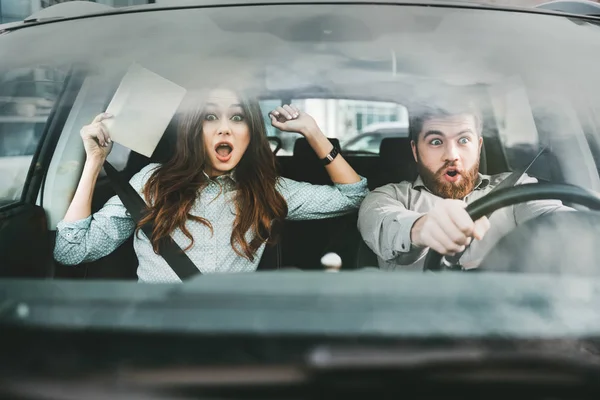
(452, 174)
(223, 151)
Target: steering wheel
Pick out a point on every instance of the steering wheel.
(516, 195)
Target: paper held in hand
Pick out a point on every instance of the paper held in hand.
(142, 108)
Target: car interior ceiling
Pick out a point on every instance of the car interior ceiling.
(303, 243)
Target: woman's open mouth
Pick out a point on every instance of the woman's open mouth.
(452, 175)
(224, 151)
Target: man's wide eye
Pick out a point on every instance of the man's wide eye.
(436, 142)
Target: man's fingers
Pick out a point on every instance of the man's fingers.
(482, 225)
(435, 245)
(441, 237)
(460, 217)
(449, 227)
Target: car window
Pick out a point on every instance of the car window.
(369, 143)
(344, 119)
(27, 96)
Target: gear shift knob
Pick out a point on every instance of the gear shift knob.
(331, 262)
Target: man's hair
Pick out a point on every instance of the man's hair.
(420, 113)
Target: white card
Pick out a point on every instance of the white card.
(142, 107)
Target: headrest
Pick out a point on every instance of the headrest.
(303, 149)
(397, 157)
(306, 166)
(396, 148)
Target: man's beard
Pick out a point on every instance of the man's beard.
(435, 181)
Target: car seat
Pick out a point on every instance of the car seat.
(305, 242)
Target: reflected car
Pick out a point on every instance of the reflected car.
(368, 141)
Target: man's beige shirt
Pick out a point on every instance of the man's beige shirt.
(388, 213)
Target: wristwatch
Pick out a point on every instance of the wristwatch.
(329, 157)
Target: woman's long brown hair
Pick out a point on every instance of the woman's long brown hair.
(174, 187)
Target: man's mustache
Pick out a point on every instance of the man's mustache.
(448, 164)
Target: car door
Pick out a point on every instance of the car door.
(34, 103)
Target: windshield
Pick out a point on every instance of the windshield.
(365, 80)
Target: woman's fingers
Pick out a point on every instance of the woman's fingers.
(98, 118)
(97, 132)
(291, 111)
(101, 117)
(105, 134)
(275, 122)
(283, 112)
(99, 135)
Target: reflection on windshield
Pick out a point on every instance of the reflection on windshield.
(27, 96)
(380, 116)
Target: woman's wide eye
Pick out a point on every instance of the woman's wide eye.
(210, 117)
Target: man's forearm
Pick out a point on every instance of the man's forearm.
(389, 234)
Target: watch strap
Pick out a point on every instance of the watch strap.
(331, 156)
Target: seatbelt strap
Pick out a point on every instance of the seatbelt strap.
(177, 259)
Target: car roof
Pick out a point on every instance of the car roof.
(82, 9)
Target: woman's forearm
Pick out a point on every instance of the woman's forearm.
(339, 170)
(81, 205)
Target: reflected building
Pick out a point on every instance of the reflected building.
(18, 10)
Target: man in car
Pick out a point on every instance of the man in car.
(401, 221)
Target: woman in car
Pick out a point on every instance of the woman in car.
(219, 197)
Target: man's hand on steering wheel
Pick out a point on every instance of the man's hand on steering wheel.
(447, 228)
